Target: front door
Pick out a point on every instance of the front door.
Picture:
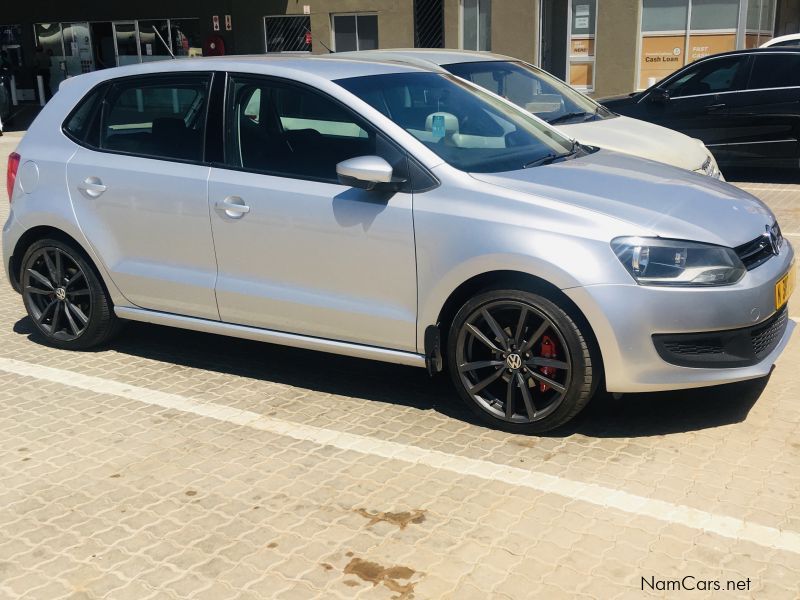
(139, 193)
(297, 251)
(698, 99)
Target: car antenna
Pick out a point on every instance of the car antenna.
(163, 42)
(322, 43)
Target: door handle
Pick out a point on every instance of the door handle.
(92, 187)
(715, 107)
(233, 207)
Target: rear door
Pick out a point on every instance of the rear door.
(139, 189)
(698, 98)
(765, 118)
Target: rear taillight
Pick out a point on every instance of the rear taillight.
(11, 174)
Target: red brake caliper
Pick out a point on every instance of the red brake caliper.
(548, 351)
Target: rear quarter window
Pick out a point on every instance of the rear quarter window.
(82, 124)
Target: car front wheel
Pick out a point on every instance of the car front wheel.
(520, 361)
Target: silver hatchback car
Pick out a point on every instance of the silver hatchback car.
(387, 212)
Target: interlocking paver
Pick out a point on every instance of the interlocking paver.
(104, 495)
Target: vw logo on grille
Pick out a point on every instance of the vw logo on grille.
(514, 361)
(773, 235)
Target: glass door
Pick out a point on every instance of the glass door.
(583, 19)
(49, 60)
(553, 26)
(154, 40)
(77, 48)
(126, 45)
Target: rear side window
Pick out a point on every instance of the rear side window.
(775, 71)
(156, 117)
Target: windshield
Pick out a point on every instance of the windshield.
(530, 88)
(469, 129)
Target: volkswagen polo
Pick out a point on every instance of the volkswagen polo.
(388, 212)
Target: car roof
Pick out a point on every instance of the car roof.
(783, 38)
(768, 50)
(423, 57)
(330, 68)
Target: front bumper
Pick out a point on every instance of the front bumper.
(625, 318)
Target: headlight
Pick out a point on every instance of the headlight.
(710, 168)
(655, 261)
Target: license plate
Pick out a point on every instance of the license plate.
(785, 286)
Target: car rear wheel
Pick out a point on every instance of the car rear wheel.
(520, 361)
(65, 298)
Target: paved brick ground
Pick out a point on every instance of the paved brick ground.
(182, 465)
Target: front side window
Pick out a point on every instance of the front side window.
(710, 77)
(775, 71)
(156, 117)
(530, 88)
(289, 130)
(355, 32)
(468, 128)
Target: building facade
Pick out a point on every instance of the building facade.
(602, 47)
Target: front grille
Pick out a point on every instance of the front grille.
(723, 349)
(758, 251)
(709, 346)
(767, 336)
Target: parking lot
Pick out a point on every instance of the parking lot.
(176, 464)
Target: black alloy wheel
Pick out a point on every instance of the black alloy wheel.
(64, 297)
(520, 361)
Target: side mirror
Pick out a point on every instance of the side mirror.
(365, 172)
(659, 96)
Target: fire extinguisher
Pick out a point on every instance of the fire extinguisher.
(214, 46)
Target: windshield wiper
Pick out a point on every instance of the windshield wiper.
(545, 160)
(552, 156)
(569, 117)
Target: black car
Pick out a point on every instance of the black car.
(745, 105)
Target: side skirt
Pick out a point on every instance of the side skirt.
(272, 337)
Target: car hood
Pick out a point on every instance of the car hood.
(623, 100)
(642, 139)
(660, 199)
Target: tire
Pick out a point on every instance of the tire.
(65, 298)
(515, 344)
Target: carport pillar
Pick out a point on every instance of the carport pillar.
(40, 84)
(14, 100)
